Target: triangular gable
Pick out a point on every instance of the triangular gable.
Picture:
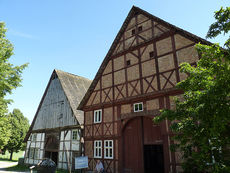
(75, 88)
(161, 28)
(71, 88)
(133, 33)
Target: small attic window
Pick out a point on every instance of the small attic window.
(128, 62)
(138, 107)
(75, 135)
(139, 28)
(151, 54)
(133, 32)
(97, 116)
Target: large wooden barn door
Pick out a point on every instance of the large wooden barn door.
(142, 147)
(133, 154)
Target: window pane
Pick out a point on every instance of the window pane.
(78, 135)
(110, 153)
(106, 153)
(140, 106)
(136, 107)
(110, 143)
(74, 137)
(99, 154)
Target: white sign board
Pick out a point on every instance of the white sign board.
(81, 162)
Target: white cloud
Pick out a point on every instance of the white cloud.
(21, 34)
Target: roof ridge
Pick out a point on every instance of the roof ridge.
(56, 70)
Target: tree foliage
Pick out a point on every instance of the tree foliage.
(222, 25)
(10, 78)
(19, 126)
(201, 119)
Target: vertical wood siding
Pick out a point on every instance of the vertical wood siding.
(55, 110)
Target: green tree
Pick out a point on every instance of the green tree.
(222, 25)
(19, 126)
(10, 78)
(201, 119)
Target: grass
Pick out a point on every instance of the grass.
(66, 171)
(61, 171)
(6, 156)
(18, 168)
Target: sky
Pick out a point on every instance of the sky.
(75, 35)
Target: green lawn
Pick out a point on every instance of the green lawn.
(18, 168)
(15, 156)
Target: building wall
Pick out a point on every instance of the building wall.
(153, 66)
(69, 148)
(115, 120)
(106, 130)
(144, 67)
(37, 144)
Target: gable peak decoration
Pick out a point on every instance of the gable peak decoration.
(113, 51)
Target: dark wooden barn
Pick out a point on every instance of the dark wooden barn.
(55, 131)
(136, 79)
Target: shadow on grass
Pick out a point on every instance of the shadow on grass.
(17, 168)
(66, 171)
(61, 171)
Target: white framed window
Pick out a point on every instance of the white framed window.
(97, 116)
(31, 153)
(98, 149)
(75, 135)
(27, 152)
(138, 107)
(36, 153)
(34, 137)
(108, 149)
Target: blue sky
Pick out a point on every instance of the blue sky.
(75, 35)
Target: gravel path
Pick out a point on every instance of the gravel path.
(12, 172)
(4, 165)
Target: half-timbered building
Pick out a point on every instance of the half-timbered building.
(55, 131)
(136, 79)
